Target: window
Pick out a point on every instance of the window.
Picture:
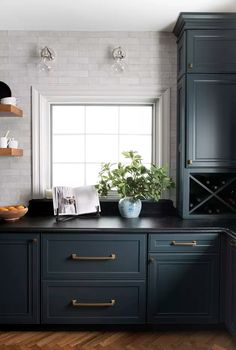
(72, 135)
(85, 136)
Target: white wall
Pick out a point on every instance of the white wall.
(83, 64)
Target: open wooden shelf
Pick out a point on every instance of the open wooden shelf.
(10, 111)
(11, 152)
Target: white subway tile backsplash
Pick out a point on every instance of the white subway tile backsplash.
(83, 62)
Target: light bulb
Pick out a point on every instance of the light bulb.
(44, 66)
(119, 66)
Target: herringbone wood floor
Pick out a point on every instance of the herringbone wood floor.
(119, 340)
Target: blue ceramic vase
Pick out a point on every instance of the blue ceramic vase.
(129, 207)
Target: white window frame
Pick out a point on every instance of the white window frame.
(41, 138)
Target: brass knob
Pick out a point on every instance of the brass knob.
(190, 66)
(151, 260)
(35, 240)
(190, 162)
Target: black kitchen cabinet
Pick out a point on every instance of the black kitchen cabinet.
(19, 278)
(183, 279)
(183, 288)
(93, 278)
(230, 284)
(211, 122)
(211, 51)
(206, 109)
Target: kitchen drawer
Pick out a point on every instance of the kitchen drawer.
(184, 242)
(93, 256)
(93, 302)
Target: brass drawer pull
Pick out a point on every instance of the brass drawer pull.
(76, 303)
(76, 257)
(184, 244)
(189, 162)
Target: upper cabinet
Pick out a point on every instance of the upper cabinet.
(211, 51)
(207, 51)
(206, 43)
(211, 122)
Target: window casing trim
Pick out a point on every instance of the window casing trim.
(41, 142)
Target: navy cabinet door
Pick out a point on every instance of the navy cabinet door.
(230, 285)
(19, 274)
(211, 122)
(183, 288)
(211, 51)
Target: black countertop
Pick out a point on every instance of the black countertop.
(117, 224)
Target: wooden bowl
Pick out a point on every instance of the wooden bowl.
(13, 215)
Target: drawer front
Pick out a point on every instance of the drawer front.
(93, 302)
(86, 256)
(184, 242)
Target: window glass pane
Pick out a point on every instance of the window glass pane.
(102, 119)
(68, 119)
(92, 171)
(102, 148)
(68, 175)
(68, 148)
(136, 120)
(141, 144)
(101, 133)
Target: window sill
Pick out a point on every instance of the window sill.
(44, 207)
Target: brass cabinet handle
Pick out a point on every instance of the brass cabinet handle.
(184, 244)
(190, 66)
(35, 240)
(190, 162)
(76, 303)
(76, 257)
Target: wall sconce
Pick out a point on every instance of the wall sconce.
(118, 55)
(47, 58)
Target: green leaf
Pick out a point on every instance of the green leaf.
(134, 179)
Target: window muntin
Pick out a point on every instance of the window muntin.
(84, 136)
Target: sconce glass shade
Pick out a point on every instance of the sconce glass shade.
(47, 58)
(119, 66)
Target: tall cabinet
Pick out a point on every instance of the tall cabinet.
(206, 114)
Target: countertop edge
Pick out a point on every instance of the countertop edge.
(117, 225)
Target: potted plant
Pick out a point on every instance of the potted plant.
(133, 182)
